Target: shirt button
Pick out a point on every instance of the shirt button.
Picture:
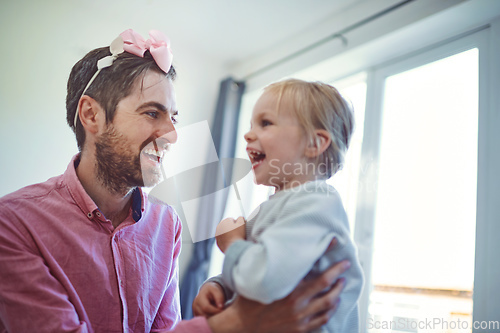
(89, 215)
(98, 214)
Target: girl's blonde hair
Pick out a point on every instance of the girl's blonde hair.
(318, 105)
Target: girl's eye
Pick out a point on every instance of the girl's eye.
(266, 123)
(174, 119)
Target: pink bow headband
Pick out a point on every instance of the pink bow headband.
(158, 46)
(131, 42)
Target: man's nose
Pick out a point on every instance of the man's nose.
(167, 132)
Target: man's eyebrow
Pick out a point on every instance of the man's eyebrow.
(155, 105)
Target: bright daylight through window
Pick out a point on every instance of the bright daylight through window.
(423, 258)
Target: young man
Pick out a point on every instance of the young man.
(87, 251)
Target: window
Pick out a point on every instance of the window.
(423, 253)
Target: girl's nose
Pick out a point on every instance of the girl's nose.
(249, 136)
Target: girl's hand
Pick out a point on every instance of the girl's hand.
(209, 301)
(228, 231)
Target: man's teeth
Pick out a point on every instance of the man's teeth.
(153, 152)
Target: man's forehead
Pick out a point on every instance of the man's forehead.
(151, 90)
(155, 86)
(151, 80)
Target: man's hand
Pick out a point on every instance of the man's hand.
(228, 231)
(209, 301)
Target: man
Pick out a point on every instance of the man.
(87, 251)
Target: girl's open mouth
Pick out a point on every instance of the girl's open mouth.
(256, 157)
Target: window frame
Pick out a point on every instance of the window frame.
(484, 39)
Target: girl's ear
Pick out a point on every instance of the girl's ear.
(321, 140)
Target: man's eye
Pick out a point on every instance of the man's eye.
(174, 119)
(152, 114)
(266, 123)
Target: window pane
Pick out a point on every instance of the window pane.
(345, 181)
(423, 259)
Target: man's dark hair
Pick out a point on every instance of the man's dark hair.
(110, 86)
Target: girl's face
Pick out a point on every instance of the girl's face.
(276, 144)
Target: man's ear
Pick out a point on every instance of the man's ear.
(89, 115)
(320, 142)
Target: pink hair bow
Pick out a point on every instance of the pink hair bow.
(158, 45)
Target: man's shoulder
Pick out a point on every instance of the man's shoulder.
(155, 201)
(155, 204)
(33, 192)
(162, 213)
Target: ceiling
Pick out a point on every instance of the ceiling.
(227, 31)
(234, 30)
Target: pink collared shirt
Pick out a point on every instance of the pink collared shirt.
(64, 268)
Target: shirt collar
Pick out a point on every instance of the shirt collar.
(85, 202)
(138, 199)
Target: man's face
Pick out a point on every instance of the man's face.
(129, 151)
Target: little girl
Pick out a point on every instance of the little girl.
(299, 134)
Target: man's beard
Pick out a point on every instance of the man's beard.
(118, 168)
